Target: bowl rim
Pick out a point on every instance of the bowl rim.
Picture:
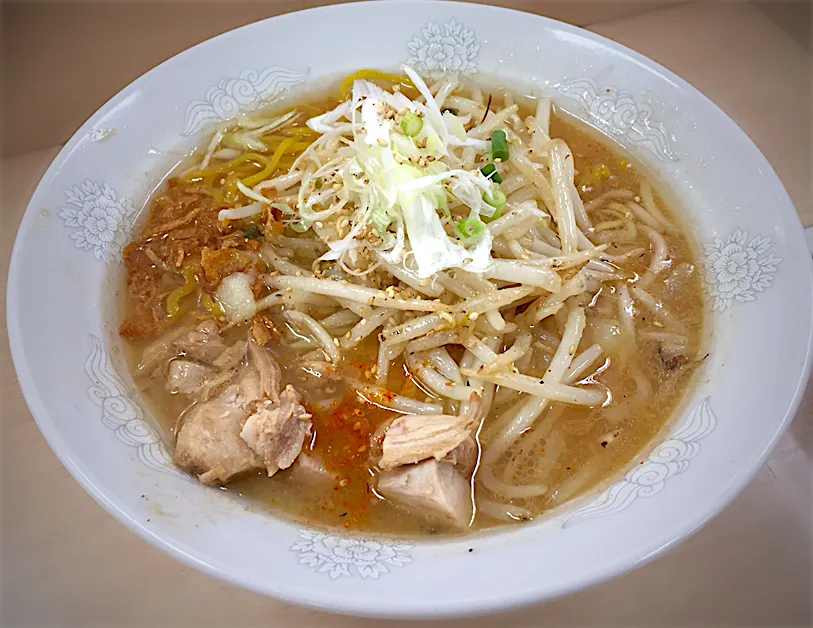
(486, 604)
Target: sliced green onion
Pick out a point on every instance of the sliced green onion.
(411, 124)
(495, 198)
(493, 217)
(499, 146)
(471, 228)
(490, 171)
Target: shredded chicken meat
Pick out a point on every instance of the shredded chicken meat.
(431, 488)
(276, 430)
(237, 427)
(412, 438)
(209, 443)
(185, 376)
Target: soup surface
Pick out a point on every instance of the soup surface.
(411, 309)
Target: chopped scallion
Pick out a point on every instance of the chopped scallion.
(495, 198)
(490, 171)
(499, 146)
(471, 228)
(493, 217)
(411, 124)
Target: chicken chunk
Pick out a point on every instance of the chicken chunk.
(432, 489)
(209, 443)
(412, 438)
(214, 384)
(270, 375)
(157, 354)
(232, 356)
(309, 471)
(463, 457)
(185, 376)
(276, 430)
(202, 343)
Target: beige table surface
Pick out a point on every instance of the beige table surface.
(66, 562)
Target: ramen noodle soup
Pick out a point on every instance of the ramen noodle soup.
(411, 309)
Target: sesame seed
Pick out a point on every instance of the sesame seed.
(382, 141)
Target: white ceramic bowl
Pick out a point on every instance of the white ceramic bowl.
(65, 270)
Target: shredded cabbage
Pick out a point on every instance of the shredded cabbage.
(397, 185)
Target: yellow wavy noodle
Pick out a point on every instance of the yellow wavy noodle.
(285, 146)
(191, 275)
(230, 166)
(376, 76)
(212, 304)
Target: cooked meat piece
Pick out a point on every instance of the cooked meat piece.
(232, 356)
(309, 470)
(268, 368)
(463, 457)
(185, 376)
(432, 489)
(214, 384)
(276, 430)
(209, 443)
(202, 343)
(190, 377)
(412, 438)
(156, 355)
